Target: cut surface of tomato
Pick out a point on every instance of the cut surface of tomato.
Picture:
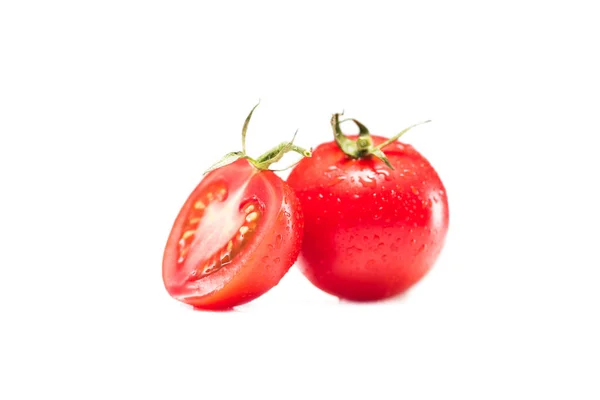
(235, 237)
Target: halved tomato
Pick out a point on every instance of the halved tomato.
(236, 236)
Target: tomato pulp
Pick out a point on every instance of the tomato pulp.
(371, 232)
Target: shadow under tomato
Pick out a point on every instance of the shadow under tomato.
(210, 310)
(399, 298)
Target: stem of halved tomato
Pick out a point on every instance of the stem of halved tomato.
(363, 145)
(264, 161)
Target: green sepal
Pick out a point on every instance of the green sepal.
(379, 154)
(226, 160)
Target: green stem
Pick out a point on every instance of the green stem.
(363, 146)
(245, 127)
(264, 161)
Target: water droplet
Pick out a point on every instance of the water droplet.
(278, 241)
(339, 200)
(414, 190)
(353, 251)
(380, 246)
(384, 172)
(370, 264)
(376, 237)
(320, 195)
(356, 196)
(365, 238)
(367, 181)
(413, 241)
(265, 259)
(422, 248)
(277, 260)
(384, 257)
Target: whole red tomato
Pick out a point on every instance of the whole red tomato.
(237, 234)
(375, 223)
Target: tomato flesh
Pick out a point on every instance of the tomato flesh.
(235, 237)
(370, 232)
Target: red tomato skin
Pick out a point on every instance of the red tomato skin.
(265, 259)
(370, 232)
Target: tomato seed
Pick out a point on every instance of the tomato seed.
(252, 216)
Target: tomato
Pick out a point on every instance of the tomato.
(371, 231)
(236, 236)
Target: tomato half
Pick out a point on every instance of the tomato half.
(371, 232)
(235, 237)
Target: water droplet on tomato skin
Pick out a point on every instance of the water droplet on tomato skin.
(414, 190)
(384, 172)
(413, 241)
(367, 181)
(370, 264)
(265, 259)
(423, 248)
(353, 251)
(380, 246)
(277, 260)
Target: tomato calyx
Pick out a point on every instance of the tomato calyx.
(264, 161)
(363, 146)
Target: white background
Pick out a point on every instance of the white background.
(110, 111)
